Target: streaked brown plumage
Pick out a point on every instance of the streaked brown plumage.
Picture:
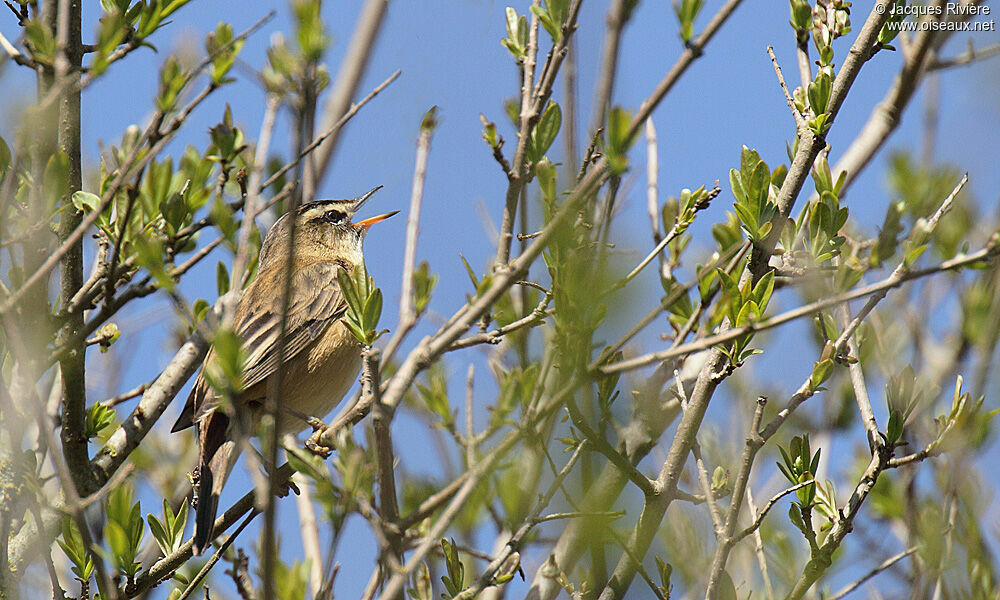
(321, 357)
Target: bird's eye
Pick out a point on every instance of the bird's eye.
(334, 216)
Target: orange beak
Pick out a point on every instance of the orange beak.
(364, 225)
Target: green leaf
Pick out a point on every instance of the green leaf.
(801, 16)
(221, 278)
(364, 304)
(85, 201)
(736, 184)
(760, 186)
(41, 41)
(172, 80)
(220, 46)
(546, 131)
(309, 30)
(819, 94)
(665, 571)
(454, 581)
(554, 30)
(159, 534)
(227, 370)
(763, 230)
(727, 591)
(423, 284)
(547, 176)
(435, 397)
(516, 41)
(124, 529)
(820, 373)
(56, 180)
(749, 159)
(762, 291)
(99, 418)
(430, 120)
(618, 126)
(687, 11)
(820, 124)
(748, 220)
(4, 157)
(75, 550)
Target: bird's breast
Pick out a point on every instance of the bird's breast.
(321, 376)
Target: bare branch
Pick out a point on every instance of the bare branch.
(968, 57)
(381, 423)
(759, 548)
(618, 15)
(887, 564)
(15, 54)
(652, 193)
(758, 519)
(983, 255)
(513, 544)
(753, 443)
(332, 131)
(407, 311)
(196, 581)
(800, 123)
(352, 69)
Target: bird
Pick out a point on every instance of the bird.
(321, 358)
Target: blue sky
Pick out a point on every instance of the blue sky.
(450, 56)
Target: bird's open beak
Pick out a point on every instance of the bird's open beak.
(372, 220)
(361, 201)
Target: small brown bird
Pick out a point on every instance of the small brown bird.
(321, 357)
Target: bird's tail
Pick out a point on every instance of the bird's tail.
(217, 455)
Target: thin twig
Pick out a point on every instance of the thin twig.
(15, 54)
(352, 68)
(758, 520)
(407, 310)
(513, 544)
(675, 231)
(618, 15)
(858, 384)
(752, 445)
(886, 115)
(800, 122)
(381, 423)
(251, 189)
(759, 547)
(652, 194)
(133, 165)
(526, 121)
(888, 563)
(532, 319)
(470, 479)
(705, 343)
(310, 532)
(215, 558)
(881, 452)
(534, 99)
(968, 57)
(330, 133)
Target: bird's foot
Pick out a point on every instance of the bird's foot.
(313, 441)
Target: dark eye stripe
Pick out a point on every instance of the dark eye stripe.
(330, 216)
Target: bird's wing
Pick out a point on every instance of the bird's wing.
(316, 302)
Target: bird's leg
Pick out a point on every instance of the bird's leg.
(313, 441)
(318, 427)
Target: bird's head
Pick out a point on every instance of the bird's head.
(324, 229)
